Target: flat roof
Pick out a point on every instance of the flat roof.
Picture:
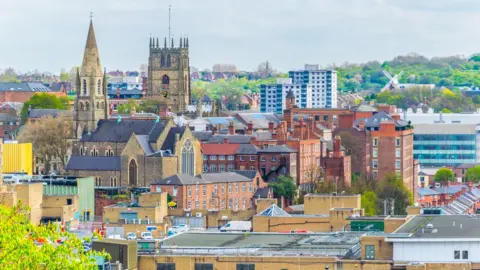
(442, 226)
(332, 195)
(340, 244)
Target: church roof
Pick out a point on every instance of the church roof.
(113, 130)
(91, 57)
(90, 163)
(169, 142)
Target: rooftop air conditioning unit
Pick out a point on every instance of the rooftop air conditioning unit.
(188, 214)
(199, 215)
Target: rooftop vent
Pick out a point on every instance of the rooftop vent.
(429, 226)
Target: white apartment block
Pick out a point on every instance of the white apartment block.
(323, 83)
(273, 96)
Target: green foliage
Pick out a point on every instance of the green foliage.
(473, 174)
(445, 110)
(26, 246)
(394, 188)
(284, 186)
(369, 203)
(444, 175)
(169, 198)
(44, 101)
(127, 107)
(146, 106)
(119, 197)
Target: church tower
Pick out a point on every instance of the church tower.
(91, 103)
(169, 74)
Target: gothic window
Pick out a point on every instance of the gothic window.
(98, 105)
(162, 61)
(132, 173)
(94, 152)
(82, 107)
(98, 181)
(169, 60)
(99, 88)
(113, 181)
(84, 151)
(188, 158)
(87, 106)
(165, 79)
(109, 152)
(84, 87)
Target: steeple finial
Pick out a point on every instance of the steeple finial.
(150, 41)
(91, 16)
(157, 42)
(91, 57)
(165, 45)
(172, 42)
(180, 42)
(187, 42)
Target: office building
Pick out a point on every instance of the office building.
(323, 83)
(273, 96)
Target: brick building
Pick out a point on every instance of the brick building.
(22, 92)
(212, 191)
(336, 164)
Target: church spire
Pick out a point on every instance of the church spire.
(91, 57)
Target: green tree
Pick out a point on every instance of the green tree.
(444, 175)
(473, 174)
(393, 187)
(26, 246)
(127, 107)
(445, 110)
(43, 101)
(284, 186)
(149, 106)
(369, 203)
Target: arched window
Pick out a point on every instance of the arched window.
(82, 107)
(132, 173)
(98, 105)
(85, 151)
(109, 152)
(98, 181)
(162, 61)
(103, 105)
(188, 158)
(99, 88)
(84, 87)
(165, 80)
(113, 181)
(87, 106)
(169, 60)
(94, 152)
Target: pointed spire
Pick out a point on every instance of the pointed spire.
(172, 42)
(79, 82)
(184, 42)
(91, 57)
(165, 45)
(187, 42)
(180, 42)
(150, 42)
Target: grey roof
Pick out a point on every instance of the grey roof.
(39, 113)
(259, 120)
(202, 136)
(179, 179)
(6, 117)
(145, 144)
(24, 87)
(467, 165)
(224, 177)
(169, 142)
(277, 149)
(445, 129)
(89, 163)
(446, 226)
(224, 122)
(297, 207)
(261, 193)
(377, 118)
(218, 138)
(330, 145)
(426, 191)
(247, 149)
(204, 178)
(274, 211)
(263, 135)
(365, 108)
(248, 174)
(113, 130)
(290, 94)
(123, 91)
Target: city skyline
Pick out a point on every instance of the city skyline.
(287, 33)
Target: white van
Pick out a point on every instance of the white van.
(237, 226)
(146, 236)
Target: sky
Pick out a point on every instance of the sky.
(49, 35)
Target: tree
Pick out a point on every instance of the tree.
(443, 175)
(26, 246)
(149, 106)
(43, 101)
(445, 110)
(9, 75)
(127, 107)
(64, 76)
(369, 203)
(473, 174)
(265, 70)
(393, 188)
(51, 137)
(284, 187)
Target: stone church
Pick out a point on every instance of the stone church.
(125, 153)
(169, 74)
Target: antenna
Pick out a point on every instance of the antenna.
(169, 21)
(91, 16)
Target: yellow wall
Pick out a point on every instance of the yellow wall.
(383, 250)
(17, 157)
(321, 204)
(393, 223)
(56, 206)
(280, 224)
(263, 204)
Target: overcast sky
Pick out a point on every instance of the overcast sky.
(50, 34)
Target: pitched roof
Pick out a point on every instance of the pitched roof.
(39, 113)
(202, 136)
(247, 173)
(169, 142)
(113, 130)
(114, 91)
(247, 149)
(274, 211)
(143, 141)
(224, 177)
(277, 149)
(179, 179)
(263, 135)
(290, 94)
(261, 193)
(219, 149)
(89, 163)
(24, 87)
(218, 138)
(6, 117)
(377, 118)
(259, 120)
(365, 108)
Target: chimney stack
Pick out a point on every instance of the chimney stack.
(231, 128)
(214, 130)
(270, 126)
(225, 140)
(250, 128)
(337, 147)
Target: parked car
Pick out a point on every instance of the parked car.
(131, 236)
(184, 227)
(147, 236)
(237, 226)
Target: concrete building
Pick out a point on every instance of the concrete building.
(17, 157)
(273, 96)
(323, 83)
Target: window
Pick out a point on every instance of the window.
(397, 142)
(229, 188)
(375, 142)
(250, 187)
(252, 168)
(204, 190)
(84, 87)
(252, 158)
(221, 168)
(375, 164)
(189, 205)
(109, 152)
(231, 167)
(263, 158)
(370, 252)
(242, 158)
(244, 187)
(465, 255)
(215, 189)
(236, 203)
(69, 201)
(236, 187)
(113, 181)
(203, 266)
(223, 189)
(212, 205)
(99, 88)
(223, 204)
(230, 203)
(189, 191)
(221, 157)
(213, 157)
(204, 205)
(197, 204)
(456, 254)
(188, 158)
(274, 158)
(98, 181)
(375, 152)
(205, 157)
(244, 203)
(213, 168)
(375, 174)
(397, 153)
(231, 157)
(245, 266)
(165, 266)
(398, 164)
(205, 168)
